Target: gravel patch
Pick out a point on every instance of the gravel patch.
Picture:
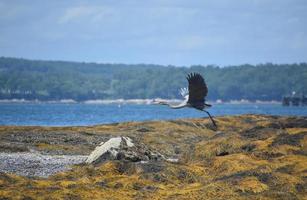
(36, 164)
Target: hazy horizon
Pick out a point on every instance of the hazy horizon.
(162, 65)
(180, 33)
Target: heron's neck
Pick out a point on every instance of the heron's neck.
(181, 105)
(177, 106)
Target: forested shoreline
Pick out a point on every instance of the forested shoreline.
(56, 80)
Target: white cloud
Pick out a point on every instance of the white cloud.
(11, 11)
(88, 13)
(170, 12)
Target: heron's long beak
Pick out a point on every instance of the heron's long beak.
(155, 102)
(158, 102)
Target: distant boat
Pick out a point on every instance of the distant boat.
(294, 100)
(304, 100)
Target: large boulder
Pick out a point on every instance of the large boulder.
(123, 148)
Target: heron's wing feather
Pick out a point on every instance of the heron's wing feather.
(197, 88)
(184, 92)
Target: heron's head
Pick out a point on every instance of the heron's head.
(159, 102)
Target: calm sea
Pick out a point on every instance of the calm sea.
(90, 114)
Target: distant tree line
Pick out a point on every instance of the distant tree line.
(55, 80)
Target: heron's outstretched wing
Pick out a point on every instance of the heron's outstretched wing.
(197, 88)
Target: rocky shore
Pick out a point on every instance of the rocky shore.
(246, 157)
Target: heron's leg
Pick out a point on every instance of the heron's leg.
(211, 118)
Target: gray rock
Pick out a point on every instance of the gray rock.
(123, 148)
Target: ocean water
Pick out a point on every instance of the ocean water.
(74, 114)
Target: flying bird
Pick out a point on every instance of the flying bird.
(194, 96)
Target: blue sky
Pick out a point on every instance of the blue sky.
(168, 32)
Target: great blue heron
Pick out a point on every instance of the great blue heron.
(194, 96)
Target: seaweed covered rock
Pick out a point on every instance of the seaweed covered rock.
(248, 157)
(122, 148)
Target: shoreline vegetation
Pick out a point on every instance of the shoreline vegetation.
(247, 157)
(132, 101)
(80, 81)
